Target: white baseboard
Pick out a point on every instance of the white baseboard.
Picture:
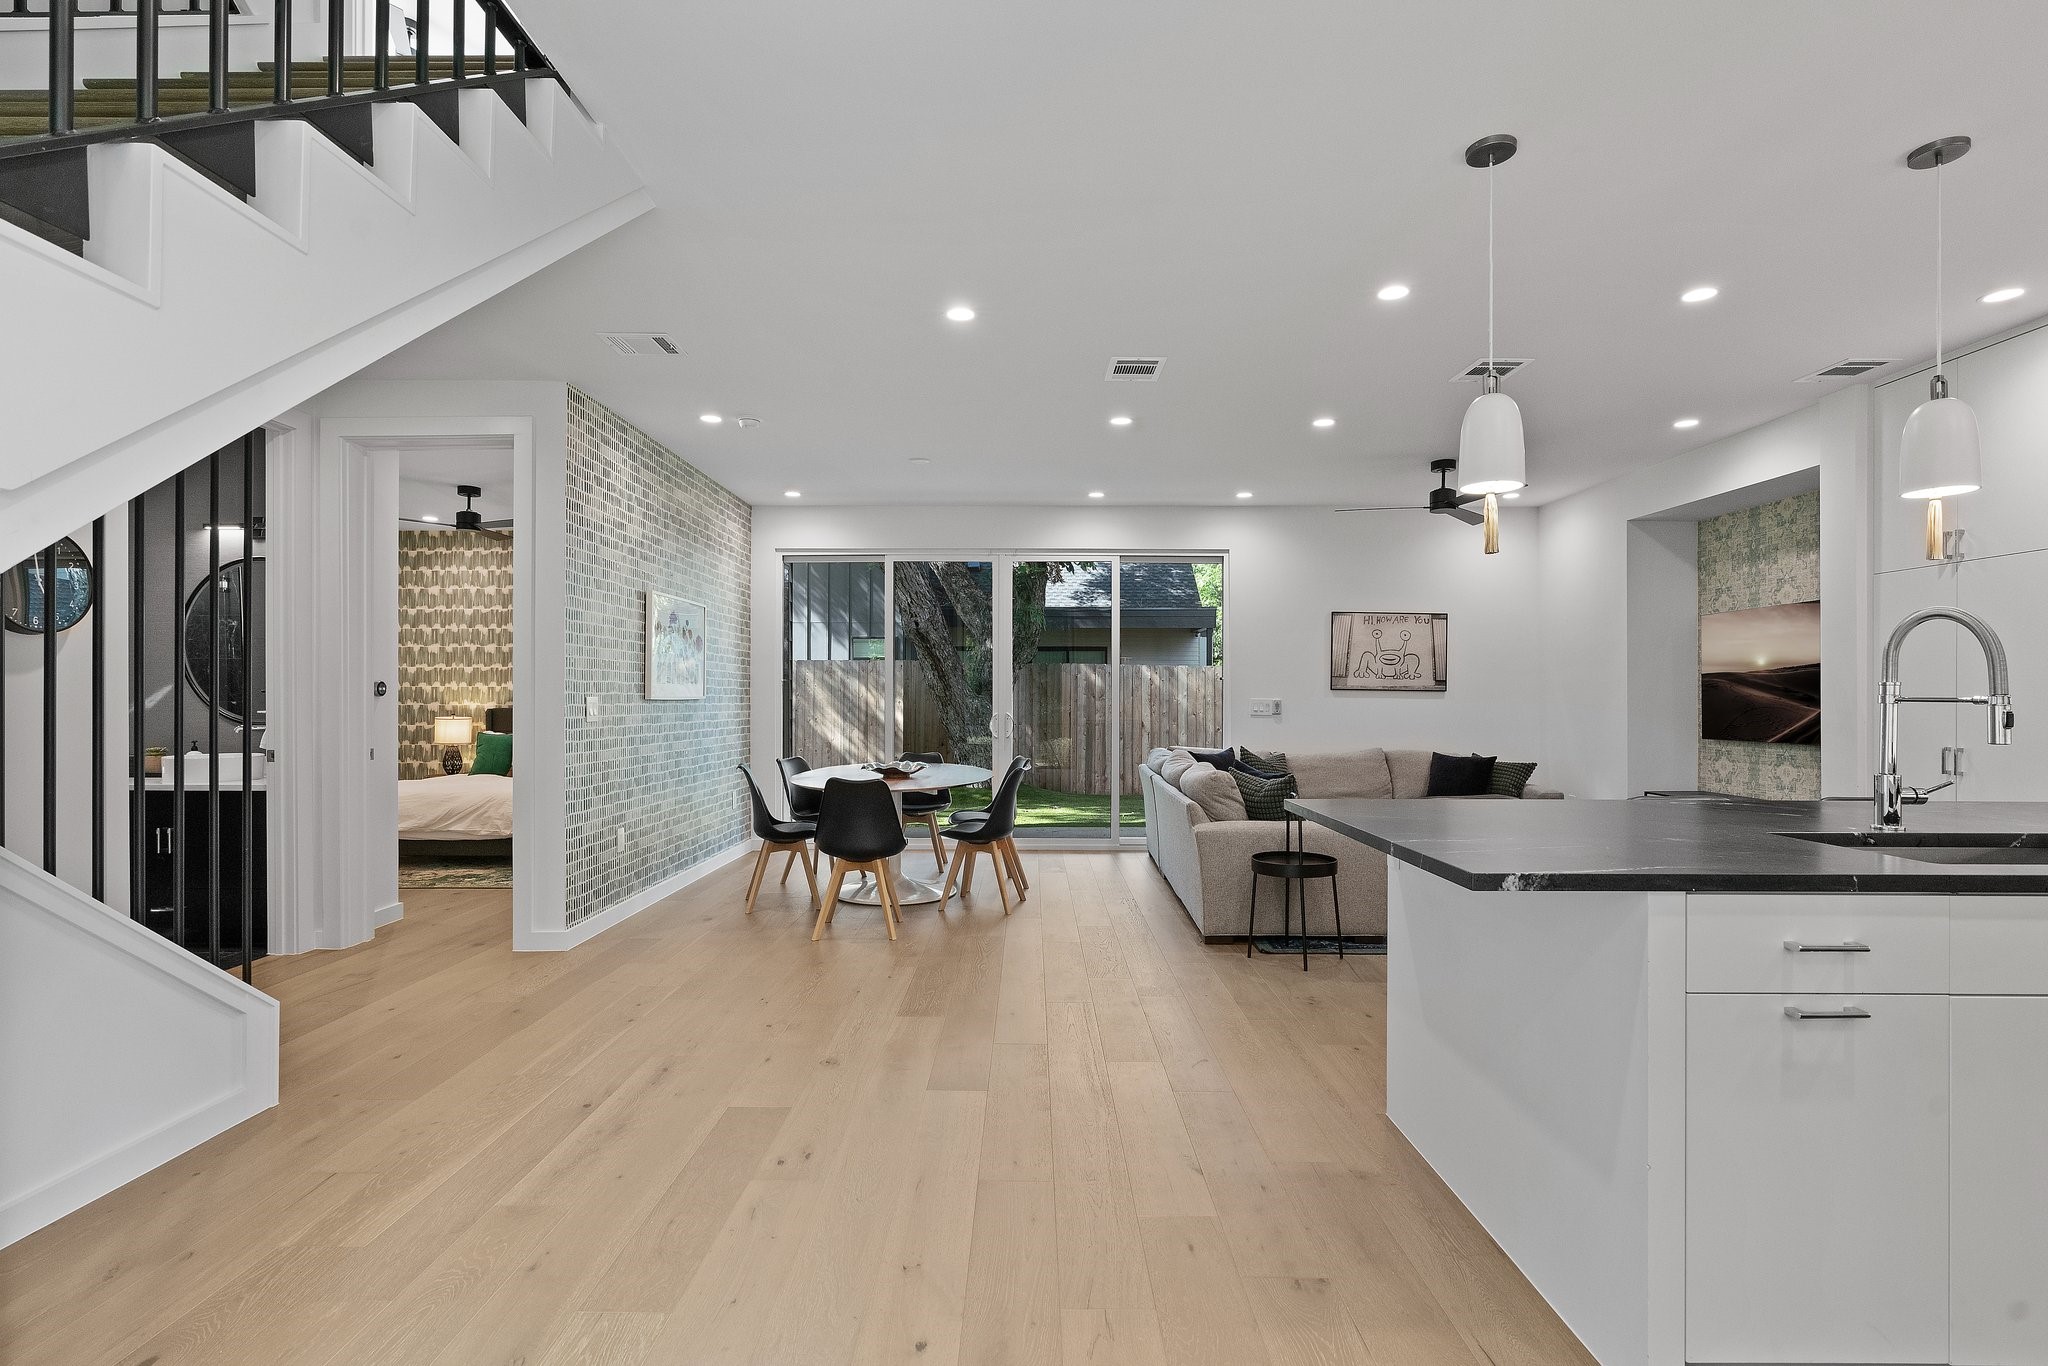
(554, 941)
(385, 915)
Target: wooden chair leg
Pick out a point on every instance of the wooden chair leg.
(1017, 861)
(810, 871)
(967, 879)
(760, 871)
(837, 876)
(886, 885)
(1002, 880)
(938, 849)
(788, 864)
(959, 857)
(1013, 865)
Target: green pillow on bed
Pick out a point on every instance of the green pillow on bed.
(493, 753)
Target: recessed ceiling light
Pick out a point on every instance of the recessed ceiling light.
(1512, 493)
(1999, 296)
(1686, 423)
(792, 493)
(1095, 493)
(428, 517)
(920, 461)
(1389, 293)
(1120, 421)
(1244, 493)
(960, 313)
(1698, 295)
(711, 419)
(1324, 422)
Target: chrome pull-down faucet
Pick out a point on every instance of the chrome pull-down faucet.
(1888, 793)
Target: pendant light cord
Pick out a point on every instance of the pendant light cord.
(1490, 164)
(1938, 159)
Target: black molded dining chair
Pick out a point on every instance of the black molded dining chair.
(1013, 861)
(802, 801)
(858, 829)
(777, 837)
(925, 808)
(990, 836)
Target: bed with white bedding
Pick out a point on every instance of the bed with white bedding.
(457, 807)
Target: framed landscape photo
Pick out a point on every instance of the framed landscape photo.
(1389, 651)
(675, 648)
(1760, 675)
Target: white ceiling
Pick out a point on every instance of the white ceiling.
(428, 474)
(1226, 185)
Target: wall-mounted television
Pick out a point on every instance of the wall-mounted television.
(1760, 675)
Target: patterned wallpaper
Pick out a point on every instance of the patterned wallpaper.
(1761, 557)
(663, 773)
(454, 636)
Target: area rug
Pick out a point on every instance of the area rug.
(1366, 946)
(454, 872)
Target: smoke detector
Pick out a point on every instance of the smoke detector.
(1134, 367)
(642, 343)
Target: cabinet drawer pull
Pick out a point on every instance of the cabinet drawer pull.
(1845, 1013)
(1846, 946)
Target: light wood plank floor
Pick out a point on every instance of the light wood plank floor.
(1075, 1135)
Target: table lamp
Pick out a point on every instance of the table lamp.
(452, 733)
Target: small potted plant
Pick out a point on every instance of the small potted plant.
(153, 761)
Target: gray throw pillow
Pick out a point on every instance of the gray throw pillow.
(1509, 778)
(1213, 790)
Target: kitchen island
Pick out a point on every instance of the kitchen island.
(1727, 1086)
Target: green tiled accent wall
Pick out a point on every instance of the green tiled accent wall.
(639, 516)
(1761, 557)
(454, 637)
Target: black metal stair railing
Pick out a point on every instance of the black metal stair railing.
(42, 173)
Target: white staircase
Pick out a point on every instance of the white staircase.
(194, 315)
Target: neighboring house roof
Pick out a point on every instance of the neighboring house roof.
(1160, 596)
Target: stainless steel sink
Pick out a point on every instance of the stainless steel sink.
(1935, 846)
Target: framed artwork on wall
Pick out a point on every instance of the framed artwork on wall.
(675, 648)
(1760, 675)
(1389, 651)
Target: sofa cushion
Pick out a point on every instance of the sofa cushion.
(1509, 778)
(1154, 758)
(1460, 775)
(1175, 767)
(1265, 799)
(1215, 791)
(1410, 771)
(1353, 773)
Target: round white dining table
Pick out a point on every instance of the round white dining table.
(910, 891)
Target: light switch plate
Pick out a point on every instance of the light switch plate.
(1265, 706)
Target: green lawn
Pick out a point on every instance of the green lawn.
(1040, 807)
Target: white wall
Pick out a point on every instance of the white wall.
(1601, 662)
(1287, 570)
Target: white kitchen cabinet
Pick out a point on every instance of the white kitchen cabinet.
(1927, 668)
(1817, 1179)
(1998, 1286)
(2005, 384)
(2008, 593)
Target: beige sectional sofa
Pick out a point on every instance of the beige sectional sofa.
(1208, 860)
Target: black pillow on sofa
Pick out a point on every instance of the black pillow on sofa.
(1460, 775)
(1221, 759)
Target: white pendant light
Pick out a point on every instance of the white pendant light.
(1492, 458)
(1939, 450)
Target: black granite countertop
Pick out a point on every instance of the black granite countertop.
(1656, 845)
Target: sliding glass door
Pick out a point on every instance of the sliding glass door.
(1080, 663)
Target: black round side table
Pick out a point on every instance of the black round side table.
(1294, 865)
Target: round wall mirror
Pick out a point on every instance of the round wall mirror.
(237, 581)
(22, 597)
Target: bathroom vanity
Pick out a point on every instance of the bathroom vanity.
(1726, 1082)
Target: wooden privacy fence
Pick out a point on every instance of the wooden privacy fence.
(837, 712)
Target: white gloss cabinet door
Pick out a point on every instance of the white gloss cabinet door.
(2004, 384)
(1998, 1285)
(1817, 1180)
(1927, 668)
(2007, 593)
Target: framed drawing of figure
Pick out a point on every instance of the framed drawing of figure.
(1389, 651)
(675, 648)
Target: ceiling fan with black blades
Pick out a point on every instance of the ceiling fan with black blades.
(468, 518)
(1443, 498)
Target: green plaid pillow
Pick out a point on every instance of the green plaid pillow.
(1509, 779)
(1265, 799)
(1275, 762)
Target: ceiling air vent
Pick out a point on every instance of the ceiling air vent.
(642, 343)
(1134, 367)
(1846, 369)
(1476, 371)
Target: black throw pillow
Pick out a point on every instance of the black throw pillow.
(1220, 759)
(1460, 775)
